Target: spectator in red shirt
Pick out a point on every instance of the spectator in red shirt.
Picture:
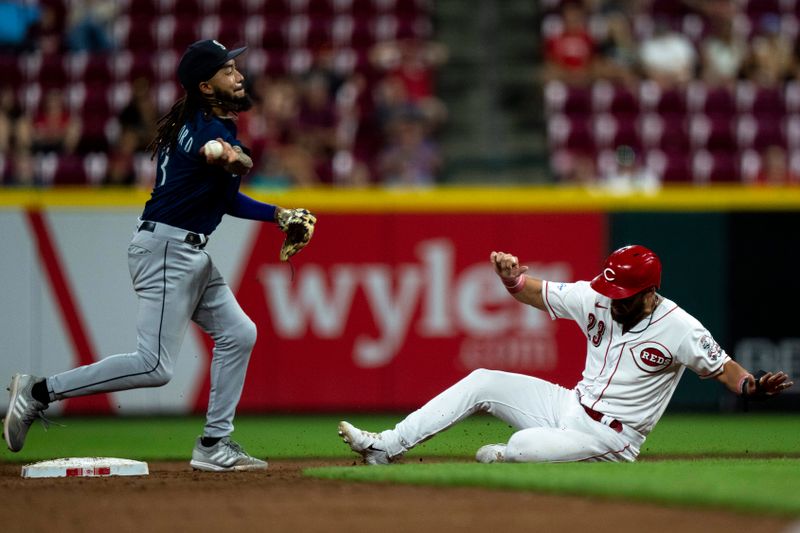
(55, 129)
(570, 55)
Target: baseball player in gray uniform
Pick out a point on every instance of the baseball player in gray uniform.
(638, 346)
(174, 277)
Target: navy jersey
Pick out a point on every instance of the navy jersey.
(189, 193)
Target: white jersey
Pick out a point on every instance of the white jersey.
(632, 376)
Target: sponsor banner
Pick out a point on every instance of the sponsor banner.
(385, 311)
(764, 284)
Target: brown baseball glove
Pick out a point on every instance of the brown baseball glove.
(298, 225)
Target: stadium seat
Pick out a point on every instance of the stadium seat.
(341, 30)
(712, 101)
(750, 166)
(654, 98)
(571, 133)
(298, 61)
(617, 100)
(792, 132)
(177, 32)
(273, 36)
(561, 98)
(148, 8)
(385, 28)
(53, 169)
(166, 94)
(118, 95)
(141, 35)
(29, 96)
(92, 69)
(752, 132)
(253, 32)
(188, 9)
(713, 133)
(95, 165)
(668, 133)
(668, 8)
(361, 35)
(759, 100)
(49, 71)
(610, 132)
(319, 34)
(296, 29)
(94, 136)
(226, 29)
(670, 167)
(313, 8)
(10, 66)
(417, 27)
(757, 8)
(273, 8)
(143, 65)
(715, 167)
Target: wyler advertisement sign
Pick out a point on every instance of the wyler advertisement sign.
(383, 311)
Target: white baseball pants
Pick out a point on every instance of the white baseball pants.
(552, 425)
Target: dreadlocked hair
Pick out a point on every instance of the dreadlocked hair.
(171, 123)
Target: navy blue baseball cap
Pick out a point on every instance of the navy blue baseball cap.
(202, 60)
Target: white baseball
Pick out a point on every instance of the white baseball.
(213, 149)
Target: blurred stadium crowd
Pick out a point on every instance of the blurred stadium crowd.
(637, 93)
(641, 93)
(343, 89)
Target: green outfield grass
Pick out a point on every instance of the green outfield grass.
(171, 438)
(747, 462)
(752, 485)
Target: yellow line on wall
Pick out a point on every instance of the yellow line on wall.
(444, 199)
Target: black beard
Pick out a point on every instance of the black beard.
(229, 102)
(630, 316)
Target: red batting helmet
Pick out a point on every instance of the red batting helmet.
(627, 271)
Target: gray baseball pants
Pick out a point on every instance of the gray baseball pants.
(175, 282)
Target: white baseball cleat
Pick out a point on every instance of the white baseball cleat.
(491, 453)
(23, 410)
(225, 456)
(365, 443)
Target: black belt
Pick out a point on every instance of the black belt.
(191, 238)
(615, 424)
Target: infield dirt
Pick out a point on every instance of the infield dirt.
(173, 498)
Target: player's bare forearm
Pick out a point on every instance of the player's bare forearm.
(532, 293)
(232, 159)
(737, 379)
(525, 289)
(732, 373)
(241, 165)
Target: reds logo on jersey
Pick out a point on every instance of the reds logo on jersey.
(651, 357)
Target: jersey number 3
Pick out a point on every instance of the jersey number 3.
(597, 338)
(164, 170)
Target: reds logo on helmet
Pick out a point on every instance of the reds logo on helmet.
(651, 357)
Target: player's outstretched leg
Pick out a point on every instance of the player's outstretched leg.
(491, 453)
(224, 456)
(371, 446)
(23, 410)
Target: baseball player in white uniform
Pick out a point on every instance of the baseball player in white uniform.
(638, 346)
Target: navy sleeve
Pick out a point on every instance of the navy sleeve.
(243, 206)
